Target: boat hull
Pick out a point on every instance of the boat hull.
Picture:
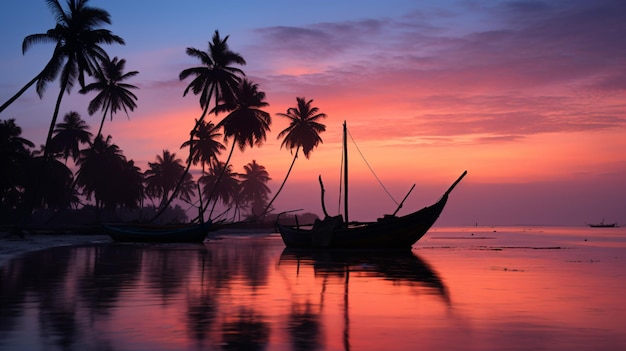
(394, 233)
(159, 234)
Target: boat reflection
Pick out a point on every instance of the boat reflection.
(306, 322)
(402, 267)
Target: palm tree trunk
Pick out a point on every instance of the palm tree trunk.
(201, 208)
(54, 118)
(163, 199)
(104, 116)
(19, 93)
(295, 157)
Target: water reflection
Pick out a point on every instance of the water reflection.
(401, 267)
(395, 267)
(494, 293)
(247, 330)
(233, 294)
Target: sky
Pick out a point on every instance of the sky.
(527, 96)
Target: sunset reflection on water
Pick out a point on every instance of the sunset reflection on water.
(473, 288)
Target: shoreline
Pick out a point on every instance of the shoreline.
(12, 246)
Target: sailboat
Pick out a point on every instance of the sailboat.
(389, 232)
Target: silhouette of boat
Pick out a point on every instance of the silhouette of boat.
(387, 232)
(603, 225)
(183, 233)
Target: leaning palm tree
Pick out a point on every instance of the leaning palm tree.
(303, 132)
(113, 94)
(78, 36)
(215, 79)
(246, 123)
(69, 135)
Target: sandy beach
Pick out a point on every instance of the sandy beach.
(12, 246)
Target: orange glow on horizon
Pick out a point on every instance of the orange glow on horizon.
(532, 158)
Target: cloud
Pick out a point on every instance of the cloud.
(513, 68)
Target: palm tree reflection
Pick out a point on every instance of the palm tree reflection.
(304, 326)
(246, 331)
(201, 312)
(105, 274)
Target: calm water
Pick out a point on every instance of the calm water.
(537, 288)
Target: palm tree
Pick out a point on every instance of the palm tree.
(12, 146)
(47, 182)
(221, 182)
(14, 159)
(303, 132)
(246, 123)
(101, 169)
(205, 147)
(163, 175)
(254, 188)
(77, 36)
(69, 135)
(130, 191)
(114, 95)
(216, 79)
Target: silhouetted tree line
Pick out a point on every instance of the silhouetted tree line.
(102, 179)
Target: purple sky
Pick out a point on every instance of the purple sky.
(528, 96)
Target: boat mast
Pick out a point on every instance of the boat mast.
(345, 170)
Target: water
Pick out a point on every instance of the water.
(474, 288)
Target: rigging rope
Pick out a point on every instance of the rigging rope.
(371, 169)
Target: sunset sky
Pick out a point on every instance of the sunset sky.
(527, 96)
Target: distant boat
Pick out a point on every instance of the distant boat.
(183, 233)
(603, 225)
(388, 232)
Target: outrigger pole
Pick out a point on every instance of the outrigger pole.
(402, 202)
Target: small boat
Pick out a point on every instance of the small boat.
(603, 225)
(183, 233)
(389, 232)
